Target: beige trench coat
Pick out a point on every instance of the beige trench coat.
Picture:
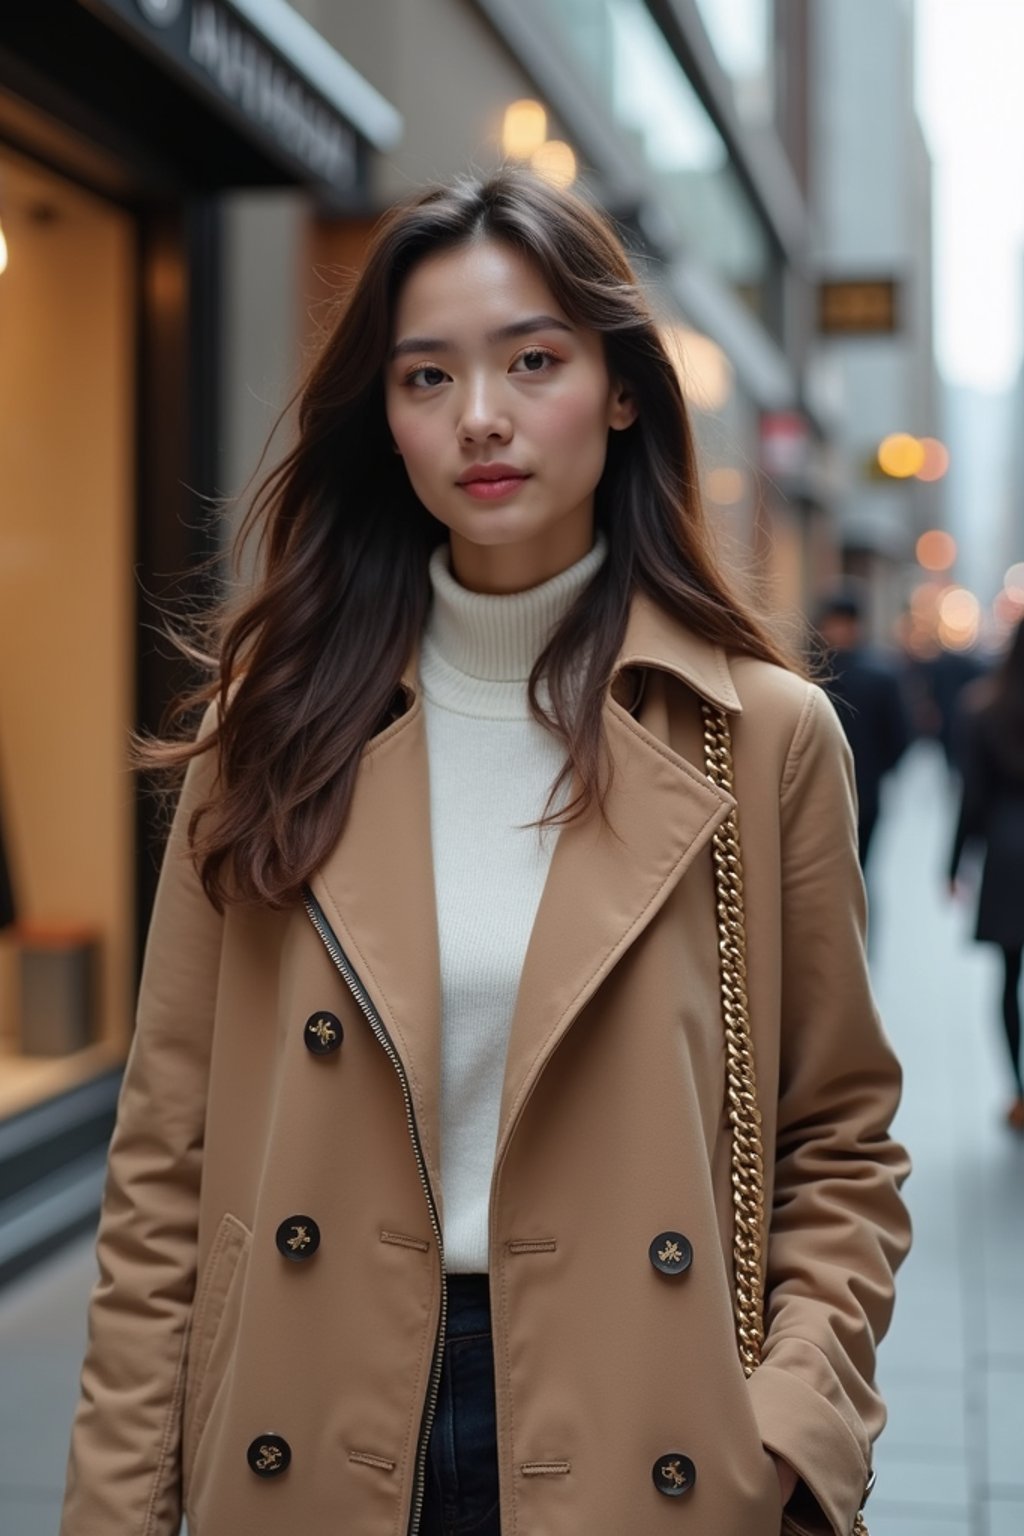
(269, 1396)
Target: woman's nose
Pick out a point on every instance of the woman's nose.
(483, 415)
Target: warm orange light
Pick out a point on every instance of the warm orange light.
(936, 550)
(556, 162)
(726, 486)
(705, 372)
(901, 455)
(524, 129)
(3, 250)
(959, 608)
(936, 459)
(959, 618)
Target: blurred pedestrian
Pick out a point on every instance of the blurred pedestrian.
(941, 679)
(448, 958)
(992, 815)
(865, 688)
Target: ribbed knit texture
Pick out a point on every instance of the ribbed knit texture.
(491, 768)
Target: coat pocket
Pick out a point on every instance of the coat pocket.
(214, 1317)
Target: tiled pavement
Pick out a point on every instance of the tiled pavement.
(951, 1462)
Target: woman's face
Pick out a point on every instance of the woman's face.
(486, 370)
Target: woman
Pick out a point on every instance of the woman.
(420, 1206)
(992, 812)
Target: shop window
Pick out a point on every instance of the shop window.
(67, 428)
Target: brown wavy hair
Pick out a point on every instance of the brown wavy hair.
(307, 667)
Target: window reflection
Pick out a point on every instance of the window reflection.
(741, 35)
(645, 88)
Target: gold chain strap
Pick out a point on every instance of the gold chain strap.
(741, 1080)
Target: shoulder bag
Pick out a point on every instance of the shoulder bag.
(741, 1080)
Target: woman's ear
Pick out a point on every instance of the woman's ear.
(623, 409)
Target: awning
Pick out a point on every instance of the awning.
(234, 92)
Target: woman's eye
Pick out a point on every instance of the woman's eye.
(535, 358)
(426, 368)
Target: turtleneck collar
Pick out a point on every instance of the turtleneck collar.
(498, 638)
(479, 648)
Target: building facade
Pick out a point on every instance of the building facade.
(122, 123)
(216, 166)
(871, 199)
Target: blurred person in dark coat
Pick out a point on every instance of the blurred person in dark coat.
(865, 689)
(992, 814)
(945, 676)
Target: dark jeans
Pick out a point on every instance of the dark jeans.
(462, 1457)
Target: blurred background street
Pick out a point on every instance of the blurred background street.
(824, 202)
(950, 1462)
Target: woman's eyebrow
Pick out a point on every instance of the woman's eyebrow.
(503, 333)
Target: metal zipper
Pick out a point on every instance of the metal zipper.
(362, 997)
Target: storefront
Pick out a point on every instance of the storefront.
(122, 122)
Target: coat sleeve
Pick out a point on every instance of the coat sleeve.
(837, 1229)
(123, 1472)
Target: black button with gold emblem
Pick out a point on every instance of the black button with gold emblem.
(323, 1033)
(674, 1474)
(671, 1252)
(269, 1455)
(298, 1238)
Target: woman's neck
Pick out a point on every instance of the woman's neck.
(502, 569)
(498, 636)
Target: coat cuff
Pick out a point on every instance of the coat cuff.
(804, 1428)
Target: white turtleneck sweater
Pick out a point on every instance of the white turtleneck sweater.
(491, 768)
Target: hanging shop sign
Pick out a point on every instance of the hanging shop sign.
(273, 99)
(311, 119)
(859, 307)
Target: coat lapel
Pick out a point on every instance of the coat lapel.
(377, 891)
(606, 882)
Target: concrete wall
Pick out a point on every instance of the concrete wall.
(445, 69)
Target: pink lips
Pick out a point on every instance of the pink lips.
(489, 482)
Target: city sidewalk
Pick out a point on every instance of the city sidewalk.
(951, 1462)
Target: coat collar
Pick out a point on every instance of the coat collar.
(655, 639)
(606, 881)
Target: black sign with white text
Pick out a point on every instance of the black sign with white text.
(219, 54)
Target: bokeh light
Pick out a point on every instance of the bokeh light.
(1013, 582)
(556, 162)
(727, 487)
(959, 618)
(936, 460)
(901, 456)
(936, 550)
(705, 373)
(524, 129)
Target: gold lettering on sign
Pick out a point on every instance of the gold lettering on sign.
(269, 1458)
(673, 1474)
(670, 1254)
